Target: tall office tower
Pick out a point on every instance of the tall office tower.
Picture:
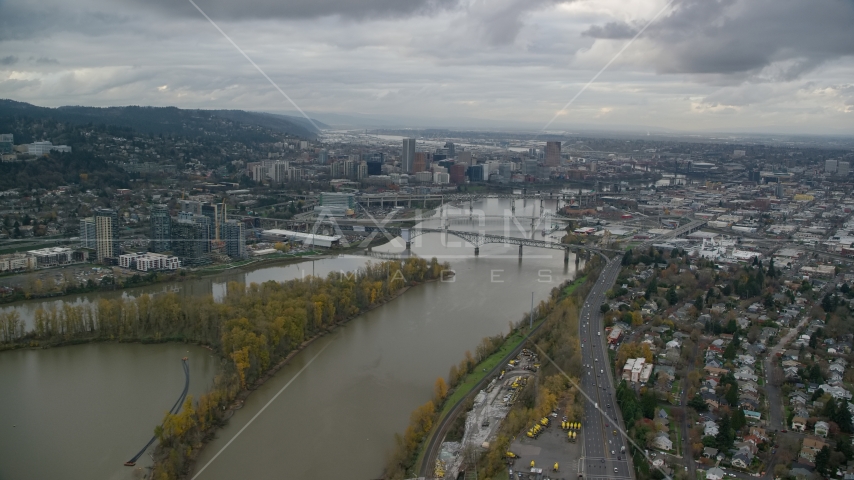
(322, 157)
(449, 146)
(505, 171)
(552, 154)
(466, 158)
(457, 174)
(362, 171)
(407, 158)
(88, 233)
(161, 228)
(529, 167)
(234, 235)
(349, 168)
(106, 233)
(208, 229)
(842, 169)
(336, 170)
(279, 171)
(190, 240)
(260, 173)
(830, 166)
(420, 162)
(214, 212)
(778, 190)
(375, 168)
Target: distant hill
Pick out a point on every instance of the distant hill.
(157, 120)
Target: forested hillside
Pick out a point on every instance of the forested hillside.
(161, 120)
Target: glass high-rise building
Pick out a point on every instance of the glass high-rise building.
(407, 159)
(234, 236)
(161, 228)
(552, 154)
(191, 241)
(88, 233)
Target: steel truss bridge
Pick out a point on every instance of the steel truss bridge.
(477, 239)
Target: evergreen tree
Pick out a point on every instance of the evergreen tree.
(822, 460)
(738, 420)
(697, 403)
(828, 303)
(672, 297)
(648, 403)
(725, 436)
(843, 418)
(652, 288)
(732, 395)
(843, 446)
(829, 410)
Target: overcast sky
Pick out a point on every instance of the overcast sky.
(702, 65)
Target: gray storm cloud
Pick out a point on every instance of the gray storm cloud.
(470, 58)
(742, 38)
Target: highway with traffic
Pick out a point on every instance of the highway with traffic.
(605, 448)
(604, 432)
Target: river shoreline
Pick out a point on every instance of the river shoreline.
(21, 297)
(241, 397)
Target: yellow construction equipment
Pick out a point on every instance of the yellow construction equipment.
(555, 467)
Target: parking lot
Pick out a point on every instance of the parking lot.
(552, 446)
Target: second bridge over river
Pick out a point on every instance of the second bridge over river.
(477, 239)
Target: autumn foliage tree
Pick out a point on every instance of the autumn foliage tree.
(253, 327)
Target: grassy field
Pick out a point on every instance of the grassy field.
(570, 289)
(28, 246)
(678, 441)
(481, 370)
(226, 266)
(260, 260)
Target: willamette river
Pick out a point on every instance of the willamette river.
(337, 419)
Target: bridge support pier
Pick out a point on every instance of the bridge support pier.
(520, 251)
(566, 256)
(476, 251)
(410, 202)
(408, 245)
